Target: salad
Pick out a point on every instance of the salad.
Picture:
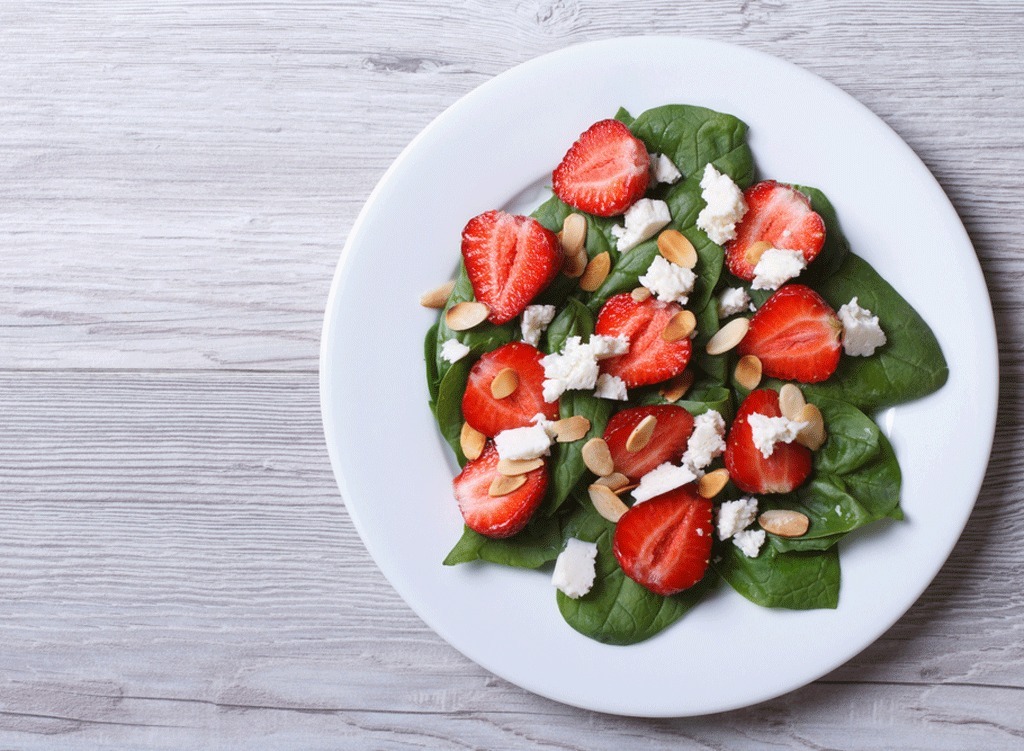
(663, 380)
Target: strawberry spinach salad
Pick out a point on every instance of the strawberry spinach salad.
(664, 378)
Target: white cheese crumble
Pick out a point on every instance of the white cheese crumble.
(611, 387)
(453, 350)
(706, 442)
(861, 333)
(663, 170)
(667, 281)
(575, 568)
(735, 516)
(661, 479)
(523, 443)
(768, 431)
(535, 319)
(749, 542)
(725, 206)
(604, 347)
(776, 267)
(642, 221)
(732, 301)
(575, 367)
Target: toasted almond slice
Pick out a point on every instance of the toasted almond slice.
(505, 383)
(575, 264)
(570, 429)
(791, 401)
(674, 246)
(626, 488)
(756, 250)
(574, 233)
(728, 336)
(640, 294)
(676, 388)
(748, 372)
(466, 315)
(606, 503)
(437, 297)
(513, 467)
(596, 272)
(503, 485)
(472, 441)
(641, 434)
(679, 326)
(615, 481)
(712, 483)
(813, 436)
(597, 457)
(784, 523)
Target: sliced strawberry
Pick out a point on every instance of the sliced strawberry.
(667, 444)
(491, 416)
(604, 172)
(795, 335)
(664, 544)
(777, 214)
(650, 358)
(497, 516)
(787, 467)
(510, 260)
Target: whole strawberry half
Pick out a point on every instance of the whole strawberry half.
(496, 516)
(604, 172)
(510, 260)
(664, 544)
(668, 443)
(795, 335)
(783, 471)
(491, 416)
(650, 358)
(777, 214)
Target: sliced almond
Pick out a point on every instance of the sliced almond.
(466, 315)
(503, 485)
(626, 488)
(574, 265)
(640, 294)
(597, 457)
(641, 434)
(755, 251)
(791, 401)
(728, 336)
(570, 429)
(615, 481)
(813, 436)
(574, 233)
(676, 388)
(679, 326)
(784, 523)
(515, 467)
(606, 503)
(596, 272)
(437, 297)
(712, 483)
(472, 441)
(674, 246)
(748, 372)
(505, 383)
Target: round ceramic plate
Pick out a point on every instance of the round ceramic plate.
(493, 148)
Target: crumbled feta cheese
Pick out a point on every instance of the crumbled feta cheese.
(608, 346)
(661, 479)
(523, 443)
(735, 516)
(861, 333)
(642, 221)
(535, 319)
(725, 206)
(663, 170)
(575, 367)
(767, 431)
(453, 350)
(575, 568)
(732, 301)
(611, 387)
(707, 441)
(668, 282)
(776, 267)
(749, 542)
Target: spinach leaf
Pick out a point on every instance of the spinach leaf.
(853, 438)
(624, 117)
(575, 319)
(776, 579)
(536, 545)
(430, 359)
(567, 466)
(448, 408)
(714, 366)
(698, 400)
(836, 247)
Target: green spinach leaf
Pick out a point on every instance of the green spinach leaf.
(575, 319)
(567, 466)
(776, 579)
(448, 408)
(536, 545)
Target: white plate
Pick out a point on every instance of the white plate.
(394, 472)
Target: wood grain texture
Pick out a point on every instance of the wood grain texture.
(176, 181)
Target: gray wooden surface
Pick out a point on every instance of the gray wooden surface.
(176, 182)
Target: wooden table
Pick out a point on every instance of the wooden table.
(176, 183)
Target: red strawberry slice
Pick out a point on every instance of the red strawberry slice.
(787, 467)
(667, 444)
(777, 214)
(496, 516)
(664, 544)
(650, 358)
(604, 172)
(491, 416)
(510, 260)
(795, 335)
